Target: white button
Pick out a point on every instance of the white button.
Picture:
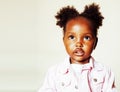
(63, 84)
(76, 87)
(95, 80)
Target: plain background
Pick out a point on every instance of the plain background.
(30, 41)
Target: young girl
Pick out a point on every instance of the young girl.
(79, 72)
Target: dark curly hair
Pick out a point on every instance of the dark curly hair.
(91, 13)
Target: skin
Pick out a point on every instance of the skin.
(79, 40)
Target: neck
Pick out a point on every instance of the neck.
(84, 61)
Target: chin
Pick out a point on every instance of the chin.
(80, 59)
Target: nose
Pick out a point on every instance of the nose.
(79, 43)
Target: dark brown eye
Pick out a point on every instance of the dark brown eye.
(87, 38)
(71, 37)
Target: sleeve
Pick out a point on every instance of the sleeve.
(49, 84)
(109, 83)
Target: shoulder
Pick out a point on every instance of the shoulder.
(99, 67)
(57, 68)
(61, 67)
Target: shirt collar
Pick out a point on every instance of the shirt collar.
(66, 65)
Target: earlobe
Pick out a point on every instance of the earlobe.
(95, 43)
(63, 39)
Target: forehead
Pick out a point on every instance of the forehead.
(78, 24)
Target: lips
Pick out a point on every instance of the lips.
(78, 52)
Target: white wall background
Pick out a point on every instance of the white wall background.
(30, 42)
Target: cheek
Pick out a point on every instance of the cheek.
(89, 46)
(69, 46)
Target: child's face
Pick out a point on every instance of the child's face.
(79, 40)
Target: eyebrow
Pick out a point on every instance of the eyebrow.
(75, 33)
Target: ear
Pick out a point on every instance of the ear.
(63, 36)
(95, 43)
(63, 39)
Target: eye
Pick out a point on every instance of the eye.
(87, 38)
(71, 37)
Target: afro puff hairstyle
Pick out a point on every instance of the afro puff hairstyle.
(91, 13)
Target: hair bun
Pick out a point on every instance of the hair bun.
(92, 13)
(65, 14)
